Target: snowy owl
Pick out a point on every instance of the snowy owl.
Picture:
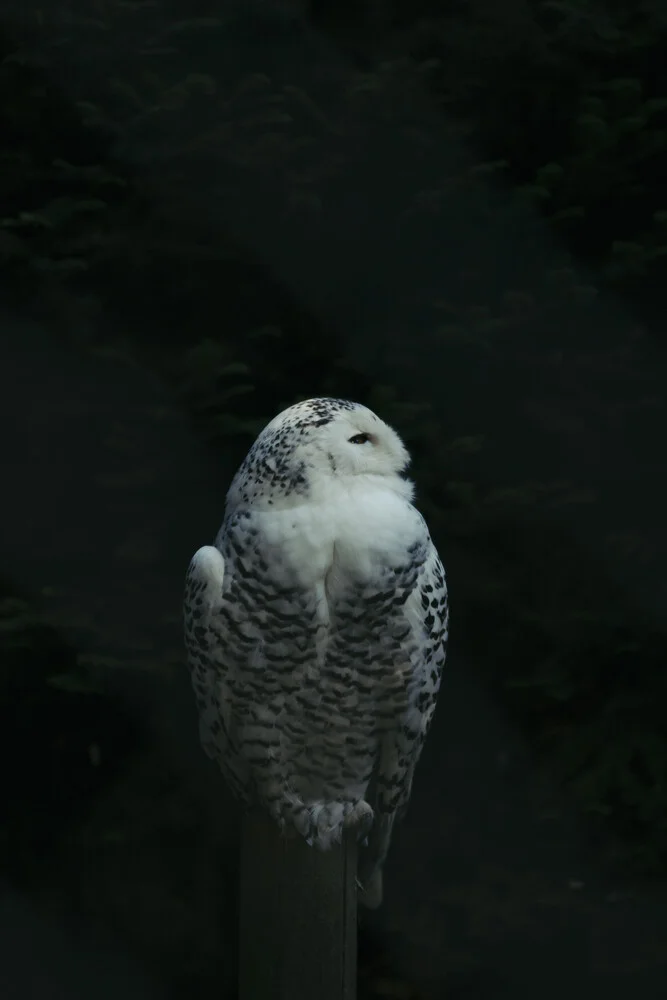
(316, 629)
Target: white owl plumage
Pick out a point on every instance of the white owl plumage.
(316, 628)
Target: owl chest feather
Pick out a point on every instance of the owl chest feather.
(350, 534)
(324, 580)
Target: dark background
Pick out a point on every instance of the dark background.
(455, 213)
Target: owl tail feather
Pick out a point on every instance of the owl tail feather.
(370, 891)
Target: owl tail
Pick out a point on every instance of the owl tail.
(371, 861)
(370, 891)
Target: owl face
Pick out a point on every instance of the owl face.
(357, 442)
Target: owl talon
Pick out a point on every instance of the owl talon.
(360, 818)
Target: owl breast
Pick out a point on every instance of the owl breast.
(353, 533)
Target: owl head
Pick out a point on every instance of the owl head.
(313, 443)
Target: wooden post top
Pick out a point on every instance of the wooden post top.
(298, 916)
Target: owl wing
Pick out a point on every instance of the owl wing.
(217, 727)
(427, 611)
(421, 659)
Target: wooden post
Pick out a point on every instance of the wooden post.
(298, 916)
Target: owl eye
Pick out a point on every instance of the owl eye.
(360, 439)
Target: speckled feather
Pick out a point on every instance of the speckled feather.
(316, 627)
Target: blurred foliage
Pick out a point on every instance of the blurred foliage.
(67, 734)
(111, 188)
(586, 141)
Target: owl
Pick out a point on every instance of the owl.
(316, 629)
